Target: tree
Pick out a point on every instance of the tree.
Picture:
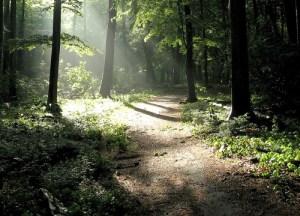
(21, 34)
(1, 37)
(12, 59)
(6, 36)
(189, 55)
(150, 76)
(291, 21)
(107, 79)
(54, 67)
(240, 73)
(205, 49)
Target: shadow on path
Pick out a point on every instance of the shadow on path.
(156, 115)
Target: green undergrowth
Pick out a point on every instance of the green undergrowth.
(62, 165)
(275, 151)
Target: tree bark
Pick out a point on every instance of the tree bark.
(12, 59)
(290, 15)
(150, 76)
(1, 37)
(21, 35)
(298, 20)
(6, 35)
(189, 55)
(107, 79)
(225, 20)
(205, 56)
(255, 15)
(205, 48)
(176, 67)
(240, 73)
(54, 67)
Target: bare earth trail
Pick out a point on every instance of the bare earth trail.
(172, 173)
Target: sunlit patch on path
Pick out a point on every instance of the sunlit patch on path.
(169, 171)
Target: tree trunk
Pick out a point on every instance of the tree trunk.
(272, 13)
(21, 35)
(225, 19)
(54, 67)
(6, 36)
(205, 56)
(255, 15)
(205, 49)
(176, 67)
(298, 20)
(240, 73)
(1, 38)
(12, 59)
(290, 15)
(107, 79)
(150, 76)
(189, 55)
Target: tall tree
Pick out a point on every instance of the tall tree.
(54, 67)
(6, 35)
(205, 48)
(189, 55)
(240, 73)
(1, 37)
(290, 14)
(107, 79)
(150, 76)
(176, 66)
(21, 34)
(298, 20)
(12, 58)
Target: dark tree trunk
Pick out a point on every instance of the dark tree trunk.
(290, 15)
(240, 73)
(205, 56)
(189, 55)
(225, 20)
(205, 48)
(150, 76)
(255, 15)
(12, 59)
(1, 38)
(6, 36)
(176, 67)
(298, 20)
(54, 67)
(107, 79)
(282, 21)
(271, 8)
(21, 35)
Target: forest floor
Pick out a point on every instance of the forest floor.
(173, 173)
(101, 157)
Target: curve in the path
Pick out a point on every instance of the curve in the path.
(175, 174)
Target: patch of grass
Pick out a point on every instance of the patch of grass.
(277, 152)
(61, 165)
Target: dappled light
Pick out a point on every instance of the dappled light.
(149, 107)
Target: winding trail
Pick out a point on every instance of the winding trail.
(173, 173)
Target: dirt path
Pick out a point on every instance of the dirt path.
(172, 173)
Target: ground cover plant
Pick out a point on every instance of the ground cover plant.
(263, 141)
(61, 164)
